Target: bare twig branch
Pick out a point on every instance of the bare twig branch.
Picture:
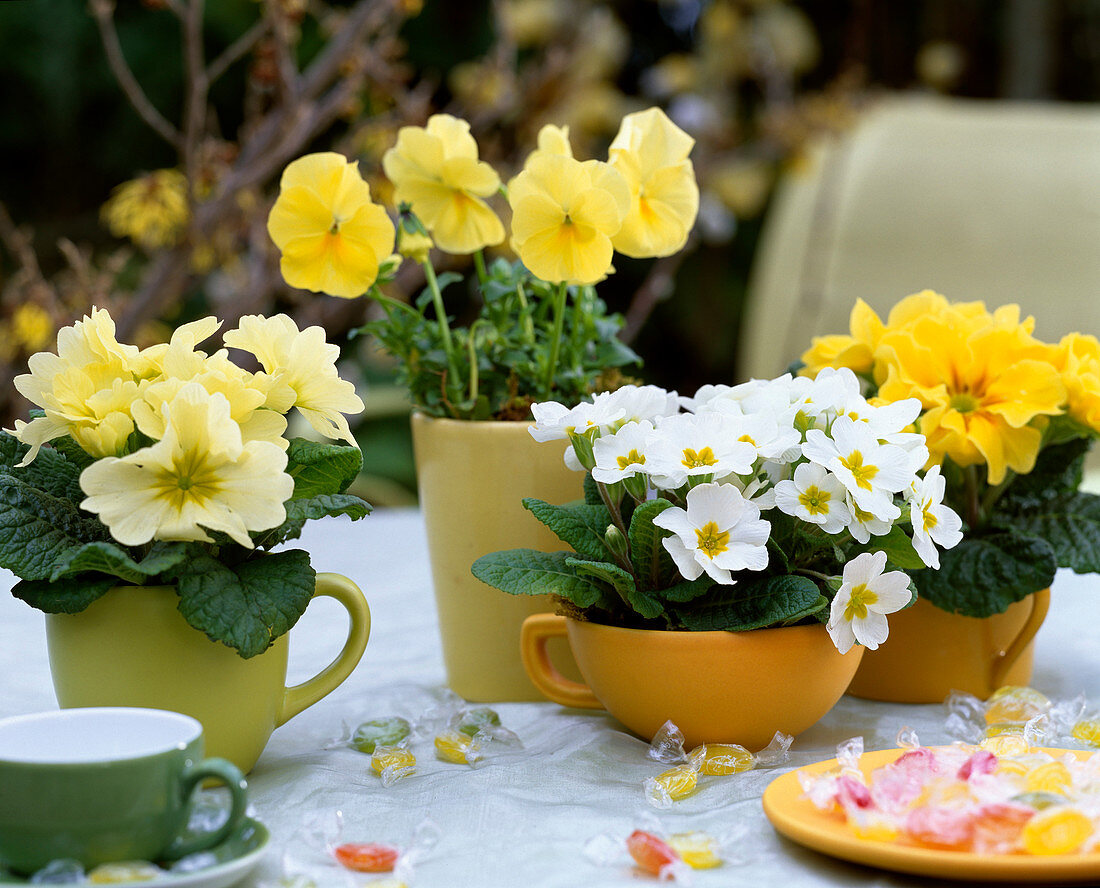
(657, 286)
(194, 108)
(19, 244)
(237, 50)
(103, 12)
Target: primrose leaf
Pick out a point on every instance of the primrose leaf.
(321, 468)
(531, 572)
(755, 604)
(70, 595)
(579, 526)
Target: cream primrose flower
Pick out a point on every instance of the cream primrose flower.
(866, 596)
(719, 532)
(700, 447)
(303, 370)
(623, 454)
(870, 470)
(770, 432)
(200, 476)
(816, 496)
(638, 403)
(933, 522)
(864, 524)
(85, 389)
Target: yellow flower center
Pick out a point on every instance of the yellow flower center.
(930, 520)
(964, 402)
(712, 541)
(748, 439)
(696, 459)
(631, 459)
(862, 596)
(815, 500)
(863, 474)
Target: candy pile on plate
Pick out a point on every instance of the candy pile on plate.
(967, 798)
(709, 759)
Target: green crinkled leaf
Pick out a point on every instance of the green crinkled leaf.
(1058, 472)
(531, 572)
(249, 605)
(67, 596)
(50, 471)
(611, 574)
(578, 525)
(299, 511)
(1071, 525)
(37, 528)
(591, 491)
(99, 557)
(898, 548)
(321, 469)
(688, 590)
(983, 575)
(73, 452)
(755, 604)
(652, 564)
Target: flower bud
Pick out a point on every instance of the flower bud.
(616, 542)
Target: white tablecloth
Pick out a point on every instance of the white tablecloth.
(523, 820)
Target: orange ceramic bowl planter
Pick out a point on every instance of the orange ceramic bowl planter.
(732, 687)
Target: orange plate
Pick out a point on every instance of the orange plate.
(796, 818)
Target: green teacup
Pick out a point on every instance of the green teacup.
(105, 784)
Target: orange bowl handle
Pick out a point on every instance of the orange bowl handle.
(537, 630)
(1003, 661)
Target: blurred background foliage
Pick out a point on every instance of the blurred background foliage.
(97, 95)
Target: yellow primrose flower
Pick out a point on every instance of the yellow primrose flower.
(981, 387)
(200, 476)
(85, 389)
(331, 236)
(652, 152)
(151, 211)
(564, 215)
(31, 326)
(302, 367)
(435, 170)
(1077, 358)
(855, 351)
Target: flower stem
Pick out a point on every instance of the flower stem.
(441, 317)
(555, 336)
(479, 264)
(613, 508)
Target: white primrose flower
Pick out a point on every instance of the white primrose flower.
(933, 522)
(816, 496)
(622, 455)
(689, 445)
(639, 403)
(866, 596)
(865, 525)
(870, 470)
(719, 532)
(554, 421)
(705, 397)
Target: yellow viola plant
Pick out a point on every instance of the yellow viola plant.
(542, 332)
(172, 466)
(1008, 419)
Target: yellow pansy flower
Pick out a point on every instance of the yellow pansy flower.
(331, 236)
(555, 140)
(302, 370)
(981, 383)
(1077, 358)
(651, 153)
(151, 211)
(435, 169)
(564, 215)
(200, 476)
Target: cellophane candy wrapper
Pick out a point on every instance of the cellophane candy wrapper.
(966, 796)
(326, 851)
(1015, 718)
(709, 759)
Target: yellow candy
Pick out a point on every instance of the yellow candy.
(696, 849)
(124, 871)
(1059, 830)
(1088, 731)
(1015, 704)
(392, 757)
(1051, 777)
(452, 746)
(678, 782)
(1006, 744)
(1011, 766)
(1001, 728)
(876, 830)
(722, 759)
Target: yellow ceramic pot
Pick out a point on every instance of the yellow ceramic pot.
(931, 653)
(472, 478)
(132, 647)
(717, 687)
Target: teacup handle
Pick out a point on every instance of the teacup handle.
(304, 695)
(536, 632)
(1004, 660)
(226, 772)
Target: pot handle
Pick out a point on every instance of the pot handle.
(1004, 660)
(328, 679)
(537, 630)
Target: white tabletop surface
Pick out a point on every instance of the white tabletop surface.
(523, 820)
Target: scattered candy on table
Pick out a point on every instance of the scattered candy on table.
(391, 763)
(366, 857)
(377, 732)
